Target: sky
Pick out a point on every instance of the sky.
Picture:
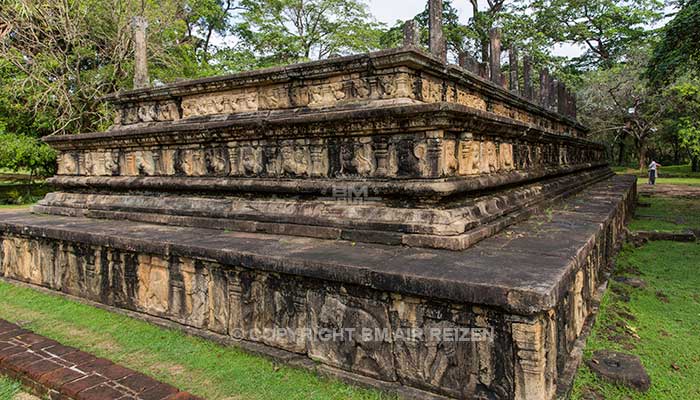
(389, 11)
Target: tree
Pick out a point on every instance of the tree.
(63, 56)
(459, 38)
(618, 101)
(482, 21)
(607, 28)
(287, 31)
(19, 152)
(679, 49)
(682, 115)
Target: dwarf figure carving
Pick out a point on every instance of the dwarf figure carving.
(505, 154)
(294, 159)
(363, 158)
(251, 159)
(450, 162)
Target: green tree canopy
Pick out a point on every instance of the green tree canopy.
(679, 49)
(286, 31)
(607, 28)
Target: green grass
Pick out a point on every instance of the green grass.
(670, 172)
(21, 193)
(660, 323)
(8, 388)
(667, 214)
(196, 365)
(678, 181)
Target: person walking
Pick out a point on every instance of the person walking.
(653, 167)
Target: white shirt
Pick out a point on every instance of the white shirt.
(652, 166)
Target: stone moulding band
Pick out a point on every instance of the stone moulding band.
(333, 122)
(421, 190)
(359, 219)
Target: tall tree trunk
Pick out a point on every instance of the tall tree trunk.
(621, 154)
(695, 164)
(642, 149)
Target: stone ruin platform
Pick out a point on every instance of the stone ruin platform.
(533, 286)
(385, 192)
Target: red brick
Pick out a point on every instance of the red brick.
(10, 351)
(7, 326)
(39, 368)
(100, 392)
(79, 358)
(95, 365)
(10, 334)
(60, 350)
(4, 345)
(31, 338)
(19, 361)
(60, 377)
(183, 396)
(159, 392)
(115, 372)
(138, 382)
(43, 345)
(72, 389)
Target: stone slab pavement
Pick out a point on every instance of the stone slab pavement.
(668, 190)
(52, 370)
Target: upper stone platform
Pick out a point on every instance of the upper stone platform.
(392, 147)
(397, 76)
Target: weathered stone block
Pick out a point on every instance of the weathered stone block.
(335, 316)
(153, 287)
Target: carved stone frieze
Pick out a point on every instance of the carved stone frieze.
(222, 103)
(431, 154)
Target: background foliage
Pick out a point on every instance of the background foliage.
(636, 79)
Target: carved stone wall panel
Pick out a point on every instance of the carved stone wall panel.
(234, 101)
(456, 352)
(164, 160)
(268, 309)
(489, 162)
(273, 97)
(450, 163)
(468, 99)
(189, 292)
(363, 160)
(153, 285)
(294, 158)
(333, 310)
(218, 295)
(505, 156)
(431, 89)
(469, 156)
(251, 158)
(67, 164)
(192, 162)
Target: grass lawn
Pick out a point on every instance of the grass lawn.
(671, 171)
(667, 214)
(679, 181)
(192, 364)
(659, 323)
(8, 388)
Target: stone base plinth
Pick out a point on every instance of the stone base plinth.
(497, 320)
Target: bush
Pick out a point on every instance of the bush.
(19, 152)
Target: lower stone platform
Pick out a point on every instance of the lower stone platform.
(496, 321)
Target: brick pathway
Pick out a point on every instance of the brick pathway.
(61, 372)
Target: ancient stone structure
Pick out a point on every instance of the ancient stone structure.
(386, 192)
